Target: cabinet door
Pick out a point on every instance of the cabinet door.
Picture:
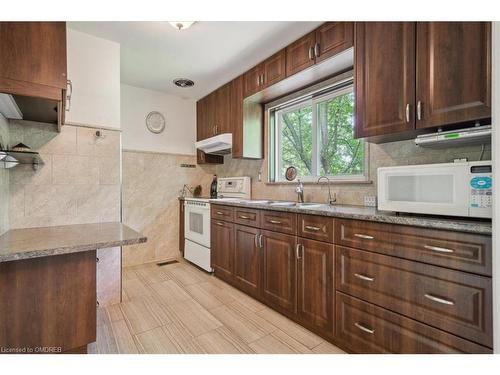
(453, 72)
(384, 78)
(252, 81)
(315, 283)
(236, 115)
(34, 53)
(222, 120)
(222, 248)
(247, 259)
(333, 38)
(201, 119)
(274, 68)
(279, 270)
(181, 227)
(300, 54)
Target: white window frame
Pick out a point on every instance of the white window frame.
(312, 100)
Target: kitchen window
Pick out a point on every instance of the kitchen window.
(315, 134)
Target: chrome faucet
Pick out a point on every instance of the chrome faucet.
(331, 199)
(300, 191)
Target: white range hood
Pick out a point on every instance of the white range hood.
(219, 145)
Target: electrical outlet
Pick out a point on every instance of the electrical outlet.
(370, 200)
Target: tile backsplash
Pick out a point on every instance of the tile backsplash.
(380, 155)
(79, 182)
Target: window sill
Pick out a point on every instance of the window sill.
(338, 182)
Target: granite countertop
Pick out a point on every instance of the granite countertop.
(17, 244)
(372, 214)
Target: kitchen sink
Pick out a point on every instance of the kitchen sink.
(295, 204)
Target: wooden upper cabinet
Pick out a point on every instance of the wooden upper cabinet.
(384, 78)
(34, 53)
(252, 81)
(453, 72)
(222, 102)
(300, 54)
(236, 117)
(332, 38)
(274, 68)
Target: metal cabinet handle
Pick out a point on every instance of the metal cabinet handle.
(274, 221)
(258, 80)
(364, 277)
(439, 249)
(244, 217)
(311, 51)
(219, 223)
(261, 242)
(364, 328)
(297, 251)
(408, 112)
(363, 236)
(263, 79)
(69, 94)
(310, 227)
(220, 213)
(256, 240)
(316, 50)
(439, 300)
(419, 110)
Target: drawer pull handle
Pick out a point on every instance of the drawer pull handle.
(244, 217)
(439, 249)
(310, 227)
(220, 213)
(219, 223)
(274, 221)
(364, 328)
(363, 236)
(439, 300)
(364, 277)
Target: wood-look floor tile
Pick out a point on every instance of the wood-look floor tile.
(138, 317)
(105, 339)
(222, 341)
(182, 337)
(128, 274)
(249, 315)
(123, 337)
(134, 288)
(151, 274)
(216, 291)
(240, 325)
(327, 348)
(194, 317)
(156, 341)
(159, 311)
(294, 330)
(114, 312)
(203, 297)
(291, 342)
(244, 299)
(182, 276)
(169, 292)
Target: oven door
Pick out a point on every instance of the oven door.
(197, 222)
(435, 189)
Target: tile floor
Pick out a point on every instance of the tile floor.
(178, 308)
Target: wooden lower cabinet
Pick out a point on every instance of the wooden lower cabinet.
(366, 328)
(247, 259)
(315, 283)
(222, 248)
(279, 270)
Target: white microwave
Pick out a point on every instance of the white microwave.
(454, 189)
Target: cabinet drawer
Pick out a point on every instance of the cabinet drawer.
(456, 302)
(284, 222)
(316, 227)
(247, 216)
(222, 212)
(366, 328)
(461, 251)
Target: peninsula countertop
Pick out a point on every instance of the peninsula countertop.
(18, 244)
(371, 214)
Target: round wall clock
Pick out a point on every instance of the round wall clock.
(155, 122)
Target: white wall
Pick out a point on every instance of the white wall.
(94, 69)
(180, 118)
(496, 204)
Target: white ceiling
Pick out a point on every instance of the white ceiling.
(210, 53)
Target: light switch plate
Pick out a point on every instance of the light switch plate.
(370, 200)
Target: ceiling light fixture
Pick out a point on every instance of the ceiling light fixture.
(181, 25)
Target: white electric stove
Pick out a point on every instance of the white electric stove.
(197, 218)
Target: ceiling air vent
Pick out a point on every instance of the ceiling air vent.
(183, 82)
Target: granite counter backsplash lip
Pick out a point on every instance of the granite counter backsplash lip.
(372, 214)
(18, 244)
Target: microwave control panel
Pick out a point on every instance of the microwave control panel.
(481, 190)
